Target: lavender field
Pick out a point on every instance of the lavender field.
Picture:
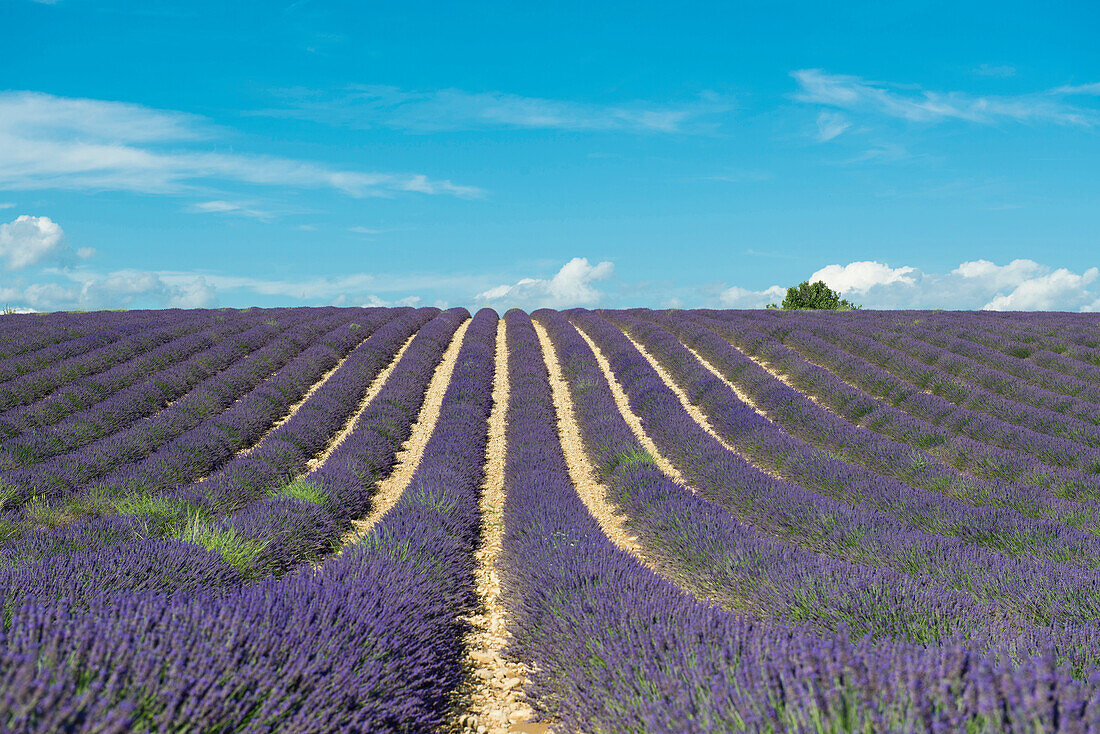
(414, 520)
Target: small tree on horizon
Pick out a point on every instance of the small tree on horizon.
(814, 296)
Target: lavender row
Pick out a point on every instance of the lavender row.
(116, 345)
(1042, 592)
(706, 550)
(616, 648)
(62, 474)
(147, 368)
(18, 335)
(1057, 366)
(972, 384)
(61, 338)
(427, 540)
(337, 649)
(899, 409)
(137, 487)
(151, 509)
(248, 422)
(801, 417)
(366, 456)
(996, 370)
(140, 401)
(892, 373)
(1066, 442)
(288, 526)
(284, 451)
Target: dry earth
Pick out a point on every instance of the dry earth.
(408, 458)
(581, 471)
(629, 416)
(497, 704)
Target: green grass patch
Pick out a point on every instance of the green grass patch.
(236, 550)
(300, 489)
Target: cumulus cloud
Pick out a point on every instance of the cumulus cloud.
(66, 143)
(29, 240)
(1032, 287)
(859, 277)
(571, 286)
(1023, 285)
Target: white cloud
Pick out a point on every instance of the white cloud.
(69, 289)
(859, 277)
(375, 301)
(999, 276)
(1023, 285)
(238, 208)
(1093, 88)
(859, 95)
(58, 142)
(736, 297)
(29, 240)
(1029, 285)
(85, 252)
(456, 109)
(830, 125)
(365, 230)
(571, 286)
(7, 205)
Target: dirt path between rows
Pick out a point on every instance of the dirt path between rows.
(497, 704)
(767, 367)
(294, 408)
(412, 451)
(628, 414)
(376, 386)
(581, 470)
(693, 410)
(741, 395)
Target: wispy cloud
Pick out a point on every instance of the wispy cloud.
(49, 142)
(830, 125)
(237, 208)
(368, 106)
(1090, 89)
(857, 95)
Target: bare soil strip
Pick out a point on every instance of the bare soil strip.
(580, 468)
(294, 408)
(408, 458)
(742, 396)
(497, 698)
(695, 413)
(629, 416)
(767, 367)
(376, 386)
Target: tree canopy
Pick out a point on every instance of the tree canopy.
(814, 296)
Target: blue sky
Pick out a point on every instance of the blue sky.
(612, 154)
